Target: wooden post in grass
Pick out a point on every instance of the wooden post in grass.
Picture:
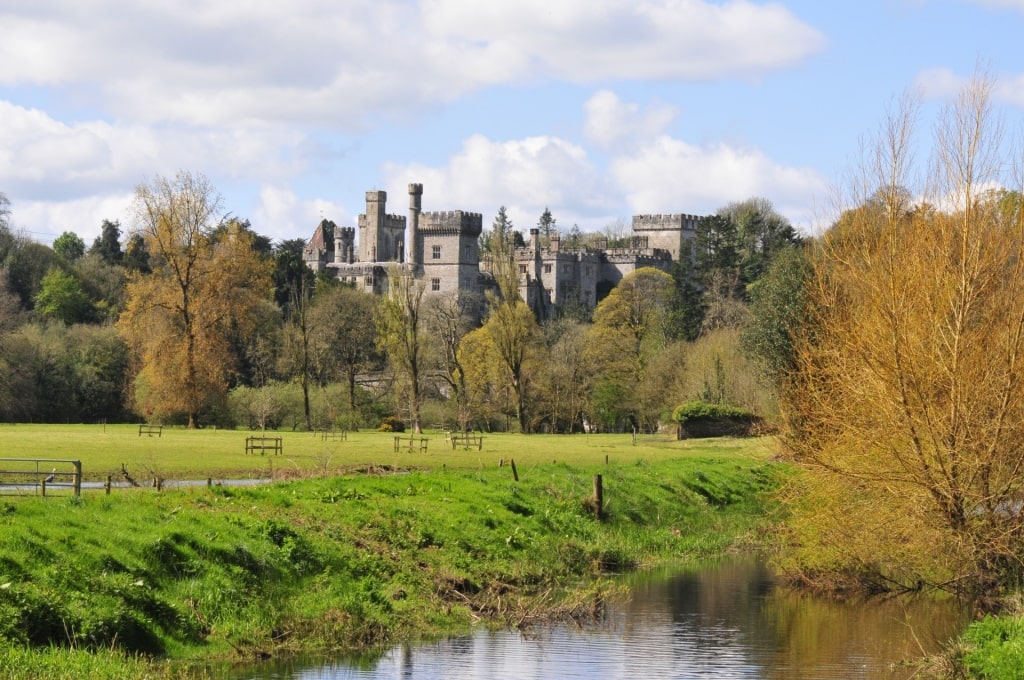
(515, 473)
(598, 497)
(106, 487)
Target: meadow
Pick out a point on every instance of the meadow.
(351, 548)
(179, 453)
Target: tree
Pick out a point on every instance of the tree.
(449, 318)
(562, 382)
(5, 211)
(108, 244)
(61, 297)
(777, 311)
(290, 272)
(513, 332)
(631, 325)
(761, 233)
(343, 329)
(510, 325)
(907, 399)
(136, 254)
(546, 224)
(180, 318)
(69, 246)
(400, 335)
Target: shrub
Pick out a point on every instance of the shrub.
(391, 424)
(704, 419)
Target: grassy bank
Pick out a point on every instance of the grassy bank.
(113, 586)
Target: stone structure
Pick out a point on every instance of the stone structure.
(442, 249)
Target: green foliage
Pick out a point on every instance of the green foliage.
(777, 310)
(391, 424)
(995, 648)
(693, 410)
(108, 244)
(61, 297)
(69, 246)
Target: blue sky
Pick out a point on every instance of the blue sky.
(597, 109)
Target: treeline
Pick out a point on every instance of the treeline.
(194, 319)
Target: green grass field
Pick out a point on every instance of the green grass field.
(220, 454)
(323, 563)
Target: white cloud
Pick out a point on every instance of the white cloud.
(939, 83)
(83, 164)
(280, 214)
(83, 216)
(524, 175)
(613, 124)
(342, 65)
(1000, 4)
(590, 40)
(671, 176)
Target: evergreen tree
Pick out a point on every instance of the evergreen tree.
(108, 244)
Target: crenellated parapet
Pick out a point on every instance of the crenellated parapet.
(452, 222)
(677, 222)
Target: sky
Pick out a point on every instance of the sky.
(594, 109)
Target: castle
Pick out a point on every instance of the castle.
(442, 249)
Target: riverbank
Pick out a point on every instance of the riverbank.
(343, 564)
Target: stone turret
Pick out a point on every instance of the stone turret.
(413, 252)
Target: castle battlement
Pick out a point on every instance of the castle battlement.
(452, 222)
(680, 221)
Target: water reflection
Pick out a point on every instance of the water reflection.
(723, 621)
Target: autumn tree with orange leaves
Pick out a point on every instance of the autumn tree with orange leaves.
(203, 287)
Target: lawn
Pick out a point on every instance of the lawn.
(179, 453)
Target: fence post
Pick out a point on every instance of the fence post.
(598, 497)
(78, 475)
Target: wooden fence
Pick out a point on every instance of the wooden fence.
(40, 476)
(263, 445)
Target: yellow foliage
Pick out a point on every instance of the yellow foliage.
(180, 319)
(909, 392)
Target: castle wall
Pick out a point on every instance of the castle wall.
(444, 253)
(666, 232)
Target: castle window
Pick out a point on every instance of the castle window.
(547, 269)
(368, 281)
(522, 269)
(435, 284)
(436, 252)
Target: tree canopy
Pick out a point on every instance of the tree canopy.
(180, 318)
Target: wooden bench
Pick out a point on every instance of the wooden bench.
(263, 444)
(410, 442)
(151, 430)
(468, 440)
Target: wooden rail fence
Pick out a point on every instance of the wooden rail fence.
(151, 430)
(411, 443)
(24, 476)
(264, 444)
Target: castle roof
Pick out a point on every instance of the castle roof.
(323, 237)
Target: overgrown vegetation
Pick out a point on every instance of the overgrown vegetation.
(905, 408)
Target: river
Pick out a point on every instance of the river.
(728, 620)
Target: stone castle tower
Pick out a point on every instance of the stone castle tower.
(442, 250)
